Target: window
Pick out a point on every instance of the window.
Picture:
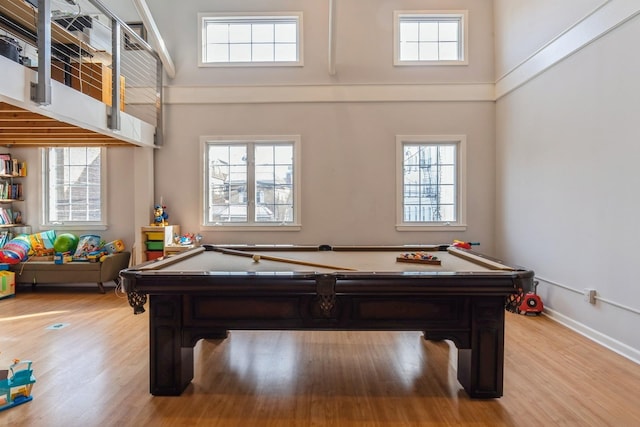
(430, 38)
(251, 40)
(431, 183)
(74, 186)
(252, 181)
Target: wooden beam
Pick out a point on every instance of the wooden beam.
(46, 132)
(47, 143)
(34, 124)
(20, 127)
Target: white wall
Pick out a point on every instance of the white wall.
(567, 171)
(526, 26)
(364, 52)
(348, 165)
(347, 129)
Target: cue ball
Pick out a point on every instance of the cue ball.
(256, 258)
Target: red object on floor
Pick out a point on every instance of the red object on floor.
(531, 304)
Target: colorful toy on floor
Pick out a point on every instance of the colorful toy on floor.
(7, 282)
(16, 384)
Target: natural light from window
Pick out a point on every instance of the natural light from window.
(251, 182)
(430, 38)
(246, 40)
(73, 185)
(431, 181)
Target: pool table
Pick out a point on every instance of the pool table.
(209, 290)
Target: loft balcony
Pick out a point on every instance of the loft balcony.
(71, 72)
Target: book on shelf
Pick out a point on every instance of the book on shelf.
(10, 191)
(12, 167)
(5, 236)
(5, 163)
(6, 216)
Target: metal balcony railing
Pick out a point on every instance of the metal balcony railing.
(83, 45)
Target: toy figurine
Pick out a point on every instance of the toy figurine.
(160, 216)
(16, 384)
(186, 239)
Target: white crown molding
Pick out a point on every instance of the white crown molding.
(606, 17)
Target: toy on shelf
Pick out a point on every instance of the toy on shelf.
(187, 239)
(16, 384)
(184, 240)
(160, 216)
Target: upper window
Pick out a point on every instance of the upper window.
(252, 181)
(431, 181)
(74, 186)
(426, 37)
(273, 39)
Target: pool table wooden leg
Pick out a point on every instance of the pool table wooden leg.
(480, 368)
(171, 364)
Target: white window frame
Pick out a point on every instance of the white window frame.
(72, 225)
(462, 15)
(203, 18)
(461, 182)
(294, 225)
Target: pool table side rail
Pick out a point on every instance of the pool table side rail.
(153, 277)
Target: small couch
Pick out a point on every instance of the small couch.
(37, 271)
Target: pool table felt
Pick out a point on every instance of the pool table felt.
(453, 260)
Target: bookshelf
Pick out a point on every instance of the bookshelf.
(11, 170)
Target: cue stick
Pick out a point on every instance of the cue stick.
(278, 259)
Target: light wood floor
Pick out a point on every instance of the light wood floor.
(94, 372)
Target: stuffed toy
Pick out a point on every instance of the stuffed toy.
(160, 216)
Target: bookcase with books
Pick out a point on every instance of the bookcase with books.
(11, 170)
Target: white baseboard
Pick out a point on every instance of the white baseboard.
(604, 340)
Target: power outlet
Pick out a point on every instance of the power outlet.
(590, 296)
